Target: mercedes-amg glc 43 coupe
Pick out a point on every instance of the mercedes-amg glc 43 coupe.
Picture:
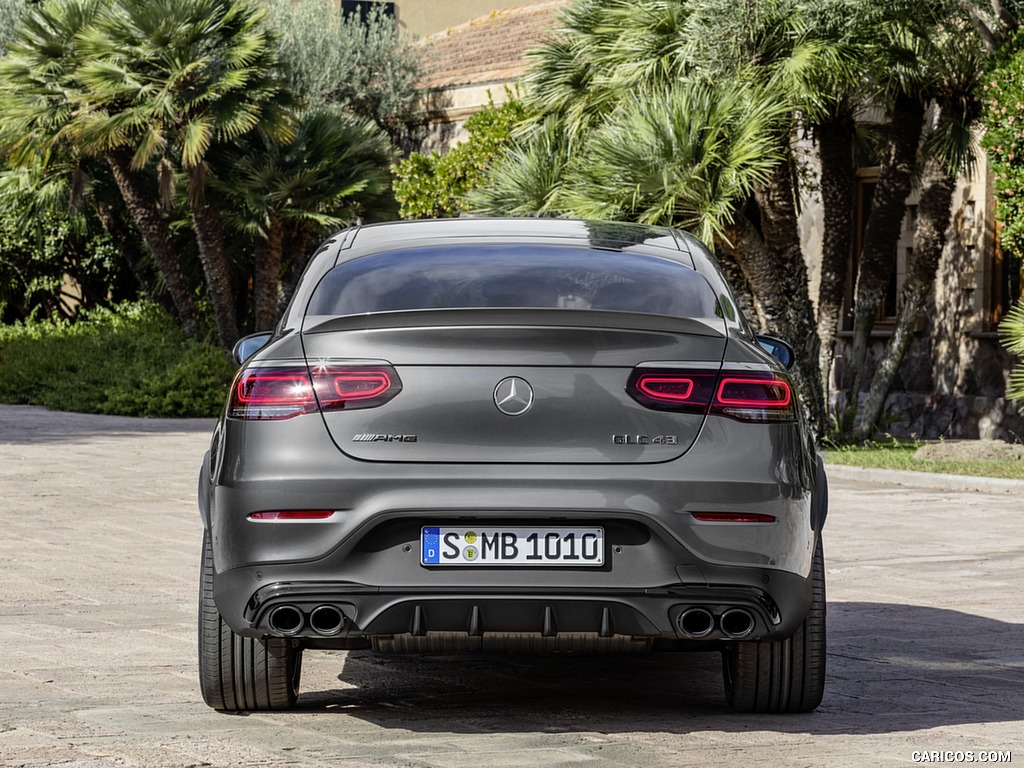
(512, 435)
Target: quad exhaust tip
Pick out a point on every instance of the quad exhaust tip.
(696, 622)
(737, 623)
(734, 623)
(286, 620)
(326, 620)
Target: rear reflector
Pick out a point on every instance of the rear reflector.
(732, 517)
(280, 393)
(292, 515)
(748, 396)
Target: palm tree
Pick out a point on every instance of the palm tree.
(164, 83)
(332, 172)
(45, 104)
(694, 150)
(903, 38)
(955, 64)
(611, 52)
(829, 92)
(529, 178)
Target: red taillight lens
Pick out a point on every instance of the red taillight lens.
(688, 391)
(748, 396)
(271, 393)
(676, 388)
(732, 517)
(754, 397)
(349, 385)
(280, 393)
(292, 515)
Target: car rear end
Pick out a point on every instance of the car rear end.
(519, 445)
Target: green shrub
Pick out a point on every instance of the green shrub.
(134, 361)
(433, 186)
(1002, 118)
(365, 66)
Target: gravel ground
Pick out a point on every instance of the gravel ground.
(97, 639)
(970, 450)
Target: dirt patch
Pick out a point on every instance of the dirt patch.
(970, 450)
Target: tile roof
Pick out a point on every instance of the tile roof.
(488, 49)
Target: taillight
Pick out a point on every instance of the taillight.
(280, 393)
(748, 396)
(355, 386)
(687, 391)
(754, 397)
(271, 393)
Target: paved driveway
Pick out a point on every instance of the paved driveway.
(98, 577)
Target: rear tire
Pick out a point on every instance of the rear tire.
(241, 673)
(784, 676)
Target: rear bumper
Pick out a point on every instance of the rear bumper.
(656, 612)
(660, 561)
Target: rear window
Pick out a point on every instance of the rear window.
(509, 277)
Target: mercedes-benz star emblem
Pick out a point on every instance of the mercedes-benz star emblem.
(513, 396)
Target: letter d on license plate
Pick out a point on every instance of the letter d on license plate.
(506, 546)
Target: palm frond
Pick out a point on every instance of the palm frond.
(1012, 330)
(528, 179)
(695, 151)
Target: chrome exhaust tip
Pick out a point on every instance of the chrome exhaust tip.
(696, 623)
(326, 620)
(286, 620)
(737, 623)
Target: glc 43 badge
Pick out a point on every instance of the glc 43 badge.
(645, 440)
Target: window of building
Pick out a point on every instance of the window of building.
(867, 181)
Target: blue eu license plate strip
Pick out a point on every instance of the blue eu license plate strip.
(579, 546)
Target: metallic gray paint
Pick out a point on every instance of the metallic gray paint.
(555, 463)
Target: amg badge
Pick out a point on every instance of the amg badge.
(384, 439)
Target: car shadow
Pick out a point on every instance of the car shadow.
(892, 668)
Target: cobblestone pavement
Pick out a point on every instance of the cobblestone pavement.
(99, 557)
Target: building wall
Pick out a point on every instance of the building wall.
(479, 62)
(425, 17)
(953, 381)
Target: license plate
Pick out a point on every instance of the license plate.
(483, 546)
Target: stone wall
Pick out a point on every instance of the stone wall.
(917, 415)
(938, 394)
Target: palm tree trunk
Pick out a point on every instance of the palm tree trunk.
(781, 287)
(206, 221)
(730, 262)
(878, 255)
(934, 211)
(143, 209)
(838, 200)
(126, 242)
(295, 241)
(267, 274)
(778, 296)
